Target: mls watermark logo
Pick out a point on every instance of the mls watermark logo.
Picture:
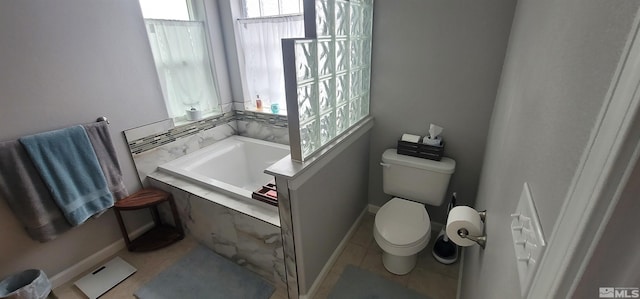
(619, 292)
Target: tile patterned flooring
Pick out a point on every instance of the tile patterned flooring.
(149, 264)
(430, 278)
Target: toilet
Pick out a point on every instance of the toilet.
(402, 225)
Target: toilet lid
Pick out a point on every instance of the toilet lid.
(402, 222)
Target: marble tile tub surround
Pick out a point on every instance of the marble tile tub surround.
(249, 242)
(286, 227)
(161, 142)
(256, 209)
(147, 161)
(245, 123)
(276, 120)
(263, 126)
(263, 131)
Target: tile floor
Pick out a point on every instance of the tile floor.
(430, 278)
(149, 264)
(435, 280)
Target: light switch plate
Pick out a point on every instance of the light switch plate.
(528, 239)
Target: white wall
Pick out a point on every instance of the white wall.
(66, 62)
(616, 259)
(561, 58)
(437, 62)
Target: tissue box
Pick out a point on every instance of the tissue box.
(421, 150)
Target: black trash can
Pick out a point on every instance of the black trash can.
(28, 284)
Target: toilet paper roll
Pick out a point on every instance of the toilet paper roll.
(463, 217)
(410, 138)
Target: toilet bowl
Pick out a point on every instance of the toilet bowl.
(402, 229)
(402, 226)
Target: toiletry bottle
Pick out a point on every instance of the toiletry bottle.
(275, 108)
(258, 102)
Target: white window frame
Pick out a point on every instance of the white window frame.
(197, 12)
(239, 13)
(262, 15)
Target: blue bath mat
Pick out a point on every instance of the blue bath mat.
(204, 274)
(356, 283)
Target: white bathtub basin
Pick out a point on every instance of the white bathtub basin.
(233, 166)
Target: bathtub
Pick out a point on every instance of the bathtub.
(234, 166)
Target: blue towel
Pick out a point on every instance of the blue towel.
(68, 165)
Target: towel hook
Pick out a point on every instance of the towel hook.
(102, 118)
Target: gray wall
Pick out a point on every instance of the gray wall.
(326, 206)
(66, 62)
(561, 58)
(437, 62)
(616, 259)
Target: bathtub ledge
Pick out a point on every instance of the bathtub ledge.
(258, 210)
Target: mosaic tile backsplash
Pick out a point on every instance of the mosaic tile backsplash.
(272, 119)
(152, 141)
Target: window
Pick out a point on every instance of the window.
(181, 53)
(266, 8)
(259, 31)
(165, 9)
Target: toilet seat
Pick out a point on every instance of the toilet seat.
(402, 227)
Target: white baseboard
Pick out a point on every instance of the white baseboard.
(334, 256)
(91, 261)
(373, 209)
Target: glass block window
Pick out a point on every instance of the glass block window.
(327, 75)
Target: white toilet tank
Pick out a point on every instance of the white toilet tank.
(416, 179)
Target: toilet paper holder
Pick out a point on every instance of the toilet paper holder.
(480, 240)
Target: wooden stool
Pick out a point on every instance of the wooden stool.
(161, 235)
